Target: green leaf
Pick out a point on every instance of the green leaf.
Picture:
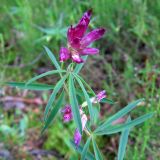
(118, 128)
(85, 83)
(97, 152)
(85, 148)
(43, 75)
(106, 100)
(36, 86)
(52, 58)
(57, 87)
(74, 104)
(89, 156)
(89, 88)
(123, 141)
(119, 114)
(53, 112)
(79, 66)
(87, 99)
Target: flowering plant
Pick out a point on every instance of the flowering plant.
(83, 110)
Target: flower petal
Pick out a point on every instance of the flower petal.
(90, 51)
(101, 95)
(66, 109)
(75, 43)
(76, 58)
(64, 54)
(67, 117)
(91, 37)
(78, 31)
(77, 137)
(82, 26)
(67, 113)
(70, 34)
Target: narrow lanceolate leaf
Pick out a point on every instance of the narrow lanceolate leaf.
(89, 156)
(123, 141)
(79, 66)
(118, 128)
(74, 104)
(36, 86)
(87, 99)
(52, 57)
(88, 86)
(53, 112)
(85, 83)
(97, 152)
(119, 114)
(85, 148)
(106, 100)
(43, 75)
(57, 87)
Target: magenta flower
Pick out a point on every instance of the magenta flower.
(67, 113)
(77, 137)
(67, 116)
(101, 95)
(78, 43)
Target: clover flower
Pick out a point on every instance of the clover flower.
(78, 43)
(67, 113)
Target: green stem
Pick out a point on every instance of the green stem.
(87, 132)
(65, 87)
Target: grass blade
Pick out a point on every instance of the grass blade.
(53, 112)
(36, 86)
(123, 141)
(43, 75)
(74, 104)
(87, 99)
(119, 128)
(97, 152)
(89, 156)
(52, 57)
(57, 87)
(119, 114)
(79, 66)
(85, 148)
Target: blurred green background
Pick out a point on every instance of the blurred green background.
(127, 68)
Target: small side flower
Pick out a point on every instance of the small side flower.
(67, 113)
(96, 99)
(77, 137)
(101, 95)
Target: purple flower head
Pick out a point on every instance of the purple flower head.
(67, 113)
(77, 137)
(101, 95)
(78, 42)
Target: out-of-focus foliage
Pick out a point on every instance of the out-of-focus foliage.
(128, 68)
